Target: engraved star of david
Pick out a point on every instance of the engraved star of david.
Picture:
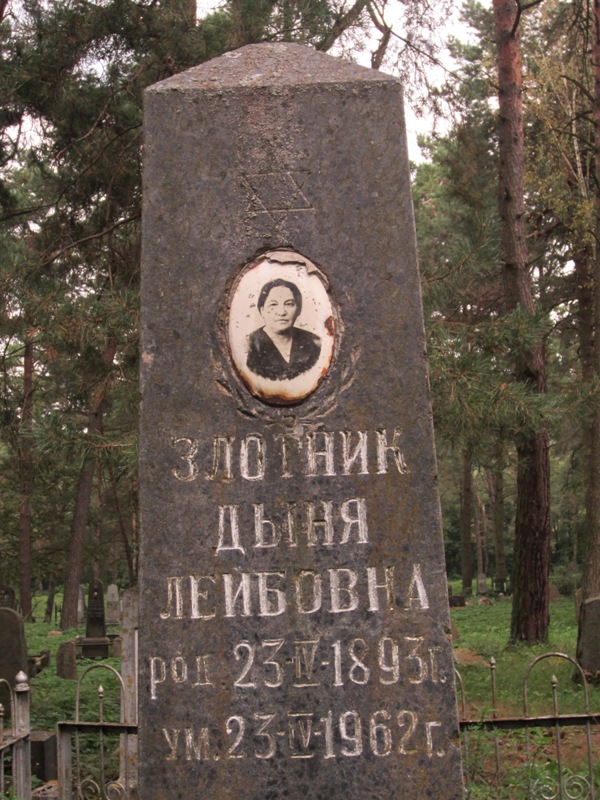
(277, 194)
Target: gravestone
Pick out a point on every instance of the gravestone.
(8, 598)
(81, 608)
(66, 660)
(95, 644)
(113, 607)
(294, 626)
(588, 644)
(13, 653)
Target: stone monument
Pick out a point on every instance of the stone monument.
(13, 653)
(113, 605)
(294, 626)
(95, 643)
(81, 608)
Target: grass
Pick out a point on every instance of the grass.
(509, 766)
(52, 698)
(483, 635)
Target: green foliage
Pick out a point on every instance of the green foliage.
(53, 699)
(482, 630)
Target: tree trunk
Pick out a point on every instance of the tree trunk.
(587, 654)
(466, 522)
(82, 502)
(481, 545)
(131, 570)
(50, 600)
(495, 481)
(530, 613)
(26, 472)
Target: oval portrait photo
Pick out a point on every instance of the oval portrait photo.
(281, 327)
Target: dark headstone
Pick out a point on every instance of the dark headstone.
(588, 644)
(66, 660)
(13, 652)
(7, 597)
(457, 601)
(294, 627)
(95, 644)
(95, 621)
(44, 764)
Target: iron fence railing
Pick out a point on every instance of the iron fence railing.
(15, 758)
(84, 747)
(552, 754)
(528, 756)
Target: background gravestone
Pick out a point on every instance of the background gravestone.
(66, 660)
(294, 627)
(113, 607)
(7, 597)
(95, 644)
(13, 652)
(588, 646)
(81, 608)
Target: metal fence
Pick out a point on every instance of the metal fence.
(538, 756)
(15, 758)
(87, 747)
(541, 756)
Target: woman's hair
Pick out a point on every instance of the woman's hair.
(264, 292)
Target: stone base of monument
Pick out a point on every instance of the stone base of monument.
(93, 646)
(588, 646)
(37, 662)
(44, 755)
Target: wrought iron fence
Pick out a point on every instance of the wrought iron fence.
(531, 756)
(94, 758)
(538, 756)
(15, 758)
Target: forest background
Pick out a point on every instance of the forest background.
(507, 204)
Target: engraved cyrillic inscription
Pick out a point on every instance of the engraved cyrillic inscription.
(322, 453)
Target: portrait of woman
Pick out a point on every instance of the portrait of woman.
(282, 326)
(278, 350)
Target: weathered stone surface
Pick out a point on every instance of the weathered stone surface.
(128, 750)
(81, 609)
(13, 652)
(294, 628)
(113, 605)
(588, 645)
(7, 597)
(95, 621)
(95, 644)
(66, 660)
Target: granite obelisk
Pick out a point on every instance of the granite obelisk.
(294, 627)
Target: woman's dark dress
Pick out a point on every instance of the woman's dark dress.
(264, 358)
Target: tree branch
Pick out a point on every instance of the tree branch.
(520, 10)
(342, 23)
(89, 238)
(386, 33)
